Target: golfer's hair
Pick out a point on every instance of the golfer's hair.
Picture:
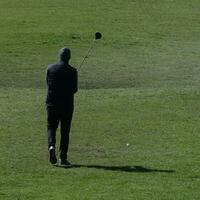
(65, 54)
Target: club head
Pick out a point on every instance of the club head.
(98, 36)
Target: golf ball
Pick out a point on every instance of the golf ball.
(127, 144)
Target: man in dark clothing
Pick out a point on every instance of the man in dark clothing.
(61, 86)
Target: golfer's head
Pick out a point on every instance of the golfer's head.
(65, 54)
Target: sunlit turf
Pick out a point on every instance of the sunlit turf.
(161, 161)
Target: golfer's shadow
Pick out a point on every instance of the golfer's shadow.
(123, 168)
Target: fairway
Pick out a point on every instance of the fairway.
(135, 131)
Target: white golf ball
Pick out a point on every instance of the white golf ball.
(127, 144)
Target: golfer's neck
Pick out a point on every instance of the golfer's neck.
(64, 62)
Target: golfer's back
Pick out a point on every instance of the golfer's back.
(61, 83)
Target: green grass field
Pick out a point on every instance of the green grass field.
(139, 86)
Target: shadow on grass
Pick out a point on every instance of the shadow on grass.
(122, 168)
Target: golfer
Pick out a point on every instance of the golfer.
(61, 86)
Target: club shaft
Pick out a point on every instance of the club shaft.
(88, 52)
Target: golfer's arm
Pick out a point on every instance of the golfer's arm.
(76, 82)
(47, 77)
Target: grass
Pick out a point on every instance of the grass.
(139, 86)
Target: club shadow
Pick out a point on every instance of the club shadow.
(138, 169)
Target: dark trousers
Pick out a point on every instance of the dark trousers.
(63, 115)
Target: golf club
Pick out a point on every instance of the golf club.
(98, 36)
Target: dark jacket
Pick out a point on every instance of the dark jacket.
(61, 84)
